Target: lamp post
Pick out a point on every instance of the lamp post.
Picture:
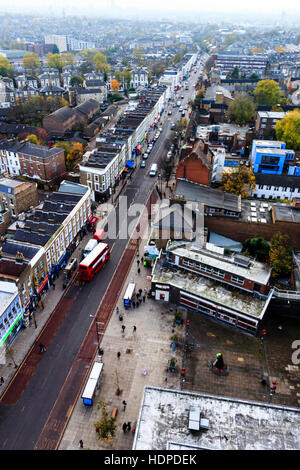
(100, 351)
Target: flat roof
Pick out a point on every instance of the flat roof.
(257, 272)
(206, 288)
(8, 291)
(234, 424)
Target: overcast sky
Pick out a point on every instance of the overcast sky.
(159, 6)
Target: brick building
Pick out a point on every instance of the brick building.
(17, 196)
(66, 118)
(41, 163)
(195, 166)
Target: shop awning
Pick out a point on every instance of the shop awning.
(129, 164)
(43, 284)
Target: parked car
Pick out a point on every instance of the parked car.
(172, 126)
(143, 164)
(146, 155)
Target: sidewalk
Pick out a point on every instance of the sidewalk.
(144, 357)
(27, 337)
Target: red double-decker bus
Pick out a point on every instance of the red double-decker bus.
(94, 261)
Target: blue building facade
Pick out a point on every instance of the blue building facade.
(271, 157)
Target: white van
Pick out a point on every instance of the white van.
(153, 170)
(91, 244)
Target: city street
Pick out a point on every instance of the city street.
(22, 423)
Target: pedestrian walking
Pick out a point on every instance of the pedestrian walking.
(124, 404)
(124, 427)
(144, 298)
(133, 304)
(139, 271)
(1, 380)
(140, 291)
(123, 328)
(42, 348)
(53, 286)
(120, 318)
(129, 425)
(134, 328)
(81, 443)
(138, 262)
(117, 310)
(119, 354)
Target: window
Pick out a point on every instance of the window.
(237, 279)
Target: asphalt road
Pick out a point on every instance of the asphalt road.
(21, 424)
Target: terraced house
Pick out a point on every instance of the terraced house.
(42, 240)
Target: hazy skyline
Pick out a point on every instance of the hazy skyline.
(155, 7)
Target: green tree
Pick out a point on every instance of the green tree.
(235, 74)
(242, 109)
(280, 257)
(257, 247)
(5, 67)
(76, 81)
(31, 61)
(268, 93)
(288, 129)
(240, 181)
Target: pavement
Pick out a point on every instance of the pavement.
(143, 361)
(28, 337)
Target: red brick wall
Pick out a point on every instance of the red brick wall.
(240, 230)
(193, 169)
(43, 167)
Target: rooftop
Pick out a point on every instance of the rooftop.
(206, 288)
(209, 196)
(233, 424)
(237, 265)
(8, 290)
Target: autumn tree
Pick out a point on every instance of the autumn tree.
(280, 256)
(5, 67)
(106, 426)
(68, 58)
(74, 153)
(31, 61)
(242, 109)
(55, 61)
(65, 146)
(138, 53)
(288, 129)
(100, 62)
(240, 181)
(88, 54)
(256, 50)
(33, 139)
(268, 93)
(115, 85)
